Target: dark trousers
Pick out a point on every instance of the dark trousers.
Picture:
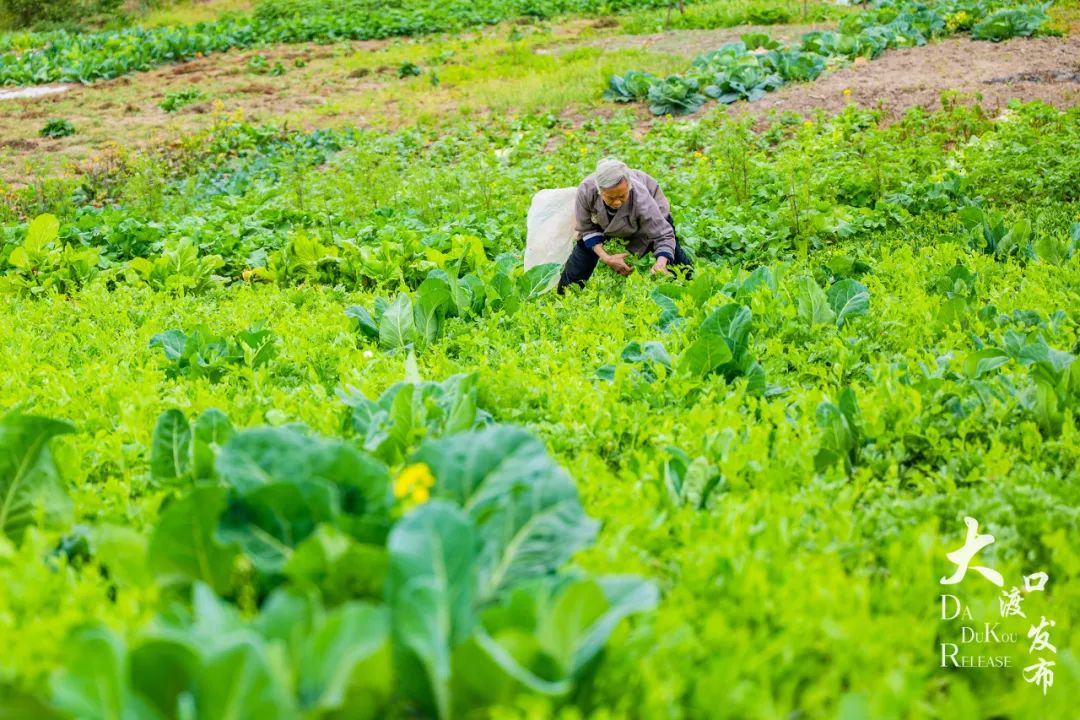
(579, 268)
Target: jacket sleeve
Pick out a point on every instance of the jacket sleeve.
(591, 233)
(657, 229)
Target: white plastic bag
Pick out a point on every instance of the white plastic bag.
(550, 224)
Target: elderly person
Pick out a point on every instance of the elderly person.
(617, 202)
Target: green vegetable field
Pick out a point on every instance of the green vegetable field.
(289, 429)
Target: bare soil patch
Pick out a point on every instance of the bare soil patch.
(1046, 69)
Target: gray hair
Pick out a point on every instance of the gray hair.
(610, 172)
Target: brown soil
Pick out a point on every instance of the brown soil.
(19, 144)
(1046, 69)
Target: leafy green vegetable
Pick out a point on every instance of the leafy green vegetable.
(95, 683)
(170, 448)
(406, 412)
(707, 354)
(848, 298)
(631, 87)
(1015, 22)
(432, 551)
(814, 307)
(841, 431)
(397, 328)
(184, 545)
(675, 96)
(57, 128)
(30, 482)
(524, 506)
(183, 98)
(204, 354)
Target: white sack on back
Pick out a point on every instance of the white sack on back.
(550, 226)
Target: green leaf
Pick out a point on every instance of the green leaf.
(761, 277)
(1048, 248)
(18, 705)
(971, 216)
(94, 683)
(184, 542)
(212, 431)
(476, 291)
(238, 681)
(260, 342)
(837, 439)
(1016, 238)
(1052, 361)
(432, 303)
(163, 669)
(286, 483)
(364, 322)
(406, 412)
(267, 456)
(288, 618)
(953, 310)
(813, 304)
(984, 361)
(588, 611)
(353, 636)
(706, 354)
(430, 591)
(397, 327)
(731, 322)
(42, 231)
(268, 522)
(30, 482)
(19, 258)
(669, 310)
(545, 636)
(650, 351)
(170, 447)
(491, 668)
(848, 298)
(540, 279)
(1044, 403)
(524, 505)
(172, 342)
(123, 550)
(338, 565)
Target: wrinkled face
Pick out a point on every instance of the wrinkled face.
(614, 197)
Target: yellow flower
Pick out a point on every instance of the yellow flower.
(414, 481)
(808, 123)
(847, 92)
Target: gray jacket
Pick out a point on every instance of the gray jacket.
(642, 220)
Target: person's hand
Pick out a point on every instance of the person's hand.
(660, 266)
(618, 264)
